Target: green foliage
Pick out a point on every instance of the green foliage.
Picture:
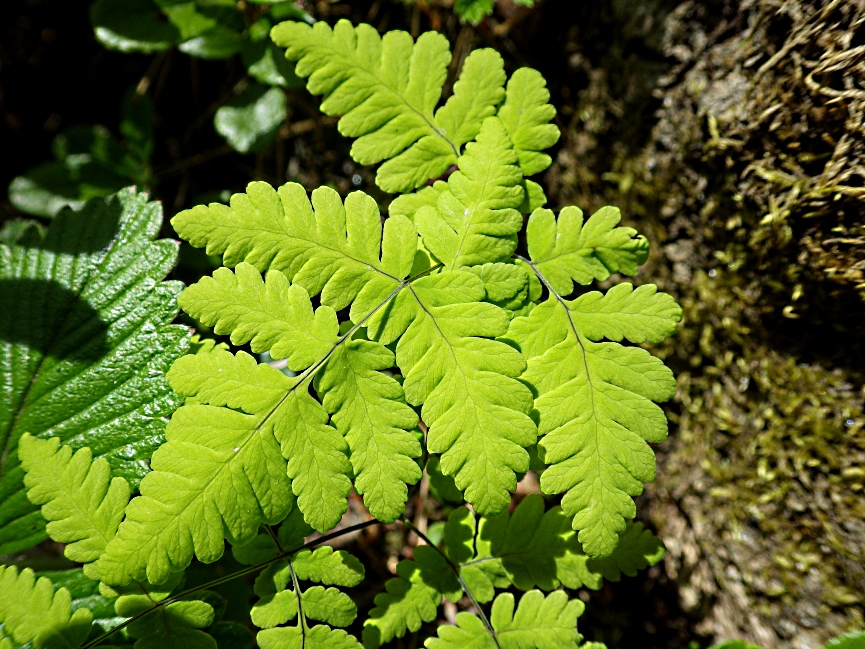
(614, 386)
(421, 342)
(527, 549)
(30, 610)
(86, 346)
(544, 622)
(249, 121)
(204, 29)
(89, 163)
(849, 641)
(474, 11)
(386, 89)
(80, 501)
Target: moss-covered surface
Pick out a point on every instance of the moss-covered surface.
(732, 134)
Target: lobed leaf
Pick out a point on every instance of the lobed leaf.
(222, 472)
(568, 251)
(327, 247)
(595, 402)
(84, 345)
(539, 622)
(386, 90)
(317, 637)
(411, 598)
(30, 610)
(177, 624)
(475, 409)
(526, 114)
(81, 501)
(476, 219)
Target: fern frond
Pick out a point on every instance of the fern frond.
(540, 622)
(273, 315)
(30, 610)
(530, 548)
(527, 549)
(568, 250)
(476, 219)
(526, 114)
(411, 598)
(475, 409)
(595, 399)
(387, 88)
(282, 599)
(324, 246)
(81, 501)
(317, 637)
(223, 471)
(637, 549)
(367, 406)
(86, 342)
(177, 624)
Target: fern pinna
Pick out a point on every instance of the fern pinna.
(446, 337)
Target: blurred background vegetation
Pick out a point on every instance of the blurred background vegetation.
(730, 132)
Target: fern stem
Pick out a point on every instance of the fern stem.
(240, 573)
(481, 613)
(301, 618)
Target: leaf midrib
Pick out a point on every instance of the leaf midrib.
(349, 62)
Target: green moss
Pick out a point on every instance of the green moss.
(750, 187)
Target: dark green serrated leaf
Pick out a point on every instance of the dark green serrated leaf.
(85, 344)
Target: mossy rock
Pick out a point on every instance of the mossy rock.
(741, 157)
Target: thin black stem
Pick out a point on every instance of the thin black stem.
(456, 569)
(232, 576)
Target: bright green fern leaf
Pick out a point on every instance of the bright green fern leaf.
(475, 409)
(367, 406)
(409, 204)
(526, 114)
(595, 399)
(476, 220)
(223, 468)
(85, 341)
(272, 315)
(530, 548)
(282, 599)
(317, 637)
(177, 624)
(538, 623)
(326, 247)
(81, 501)
(411, 598)
(387, 88)
(30, 610)
(637, 549)
(527, 549)
(568, 250)
(473, 11)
